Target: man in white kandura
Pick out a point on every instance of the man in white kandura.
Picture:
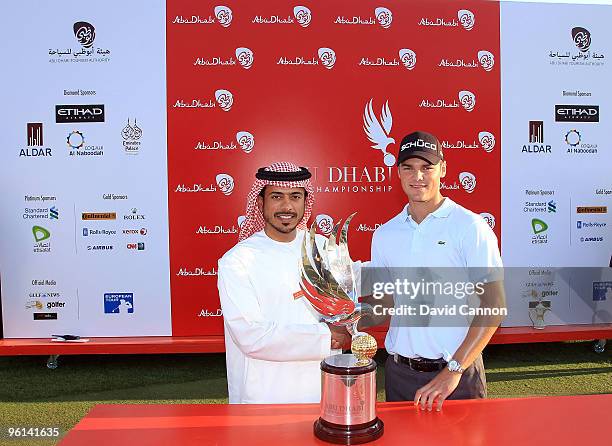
(274, 341)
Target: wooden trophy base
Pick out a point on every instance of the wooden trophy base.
(340, 434)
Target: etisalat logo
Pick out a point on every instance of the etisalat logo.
(85, 35)
(301, 15)
(467, 99)
(539, 227)
(223, 16)
(131, 135)
(224, 99)
(382, 17)
(486, 60)
(486, 140)
(465, 18)
(536, 139)
(245, 140)
(41, 234)
(325, 57)
(244, 56)
(407, 59)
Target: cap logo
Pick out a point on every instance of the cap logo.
(419, 143)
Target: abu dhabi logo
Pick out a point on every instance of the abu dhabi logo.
(225, 183)
(384, 17)
(467, 99)
(582, 38)
(466, 18)
(303, 15)
(240, 220)
(85, 33)
(487, 141)
(223, 15)
(325, 224)
(327, 56)
(245, 57)
(489, 218)
(468, 181)
(486, 59)
(408, 58)
(225, 99)
(378, 129)
(246, 141)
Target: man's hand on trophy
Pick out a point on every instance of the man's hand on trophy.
(340, 337)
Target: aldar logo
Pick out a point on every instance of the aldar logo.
(384, 17)
(486, 59)
(327, 56)
(378, 130)
(303, 15)
(408, 58)
(582, 38)
(487, 141)
(245, 57)
(225, 99)
(225, 182)
(536, 139)
(131, 135)
(489, 218)
(85, 33)
(35, 141)
(223, 15)
(466, 18)
(246, 141)
(467, 181)
(325, 224)
(467, 99)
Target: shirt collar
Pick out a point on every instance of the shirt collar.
(442, 212)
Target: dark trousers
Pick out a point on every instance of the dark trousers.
(401, 382)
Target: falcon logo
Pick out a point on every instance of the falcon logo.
(225, 99)
(327, 56)
(325, 224)
(384, 17)
(224, 15)
(487, 141)
(408, 58)
(467, 99)
(582, 38)
(303, 15)
(246, 141)
(466, 18)
(378, 131)
(245, 57)
(225, 183)
(489, 219)
(468, 181)
(85, 33)
(486, 60)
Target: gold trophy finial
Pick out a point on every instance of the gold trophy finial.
(364, 347)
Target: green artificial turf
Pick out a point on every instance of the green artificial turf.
(32, 395)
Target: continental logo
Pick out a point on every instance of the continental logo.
(592, 210)
(99, 216)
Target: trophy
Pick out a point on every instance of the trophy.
(348, 381)
(537, 310)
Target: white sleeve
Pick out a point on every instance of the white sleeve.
(256, 337)
(481, 252)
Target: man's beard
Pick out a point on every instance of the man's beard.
(282, 228)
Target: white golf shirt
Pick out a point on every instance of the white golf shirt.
(451, 236)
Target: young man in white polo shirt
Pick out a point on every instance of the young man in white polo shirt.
(429, 364)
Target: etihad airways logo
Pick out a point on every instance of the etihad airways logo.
(223, 16)
(325, 57)
(382, 17)
(301, 15)
(378, 129)
(467, 100)
(465, 18)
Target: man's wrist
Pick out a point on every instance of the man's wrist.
(454, 366)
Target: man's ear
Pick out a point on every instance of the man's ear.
(442, 169)
(260, 202)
